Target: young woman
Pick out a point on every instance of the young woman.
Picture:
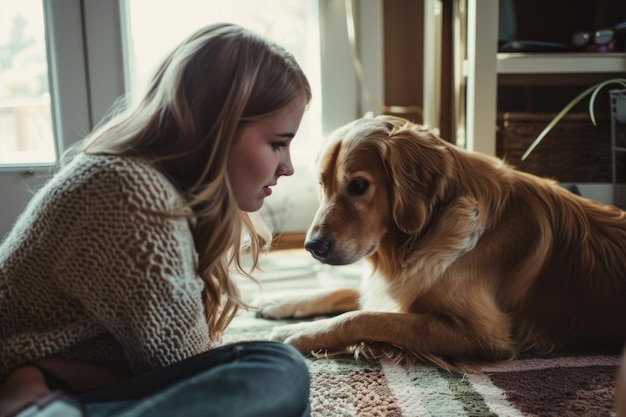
(114, 282)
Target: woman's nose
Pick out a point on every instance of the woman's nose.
(285, 167)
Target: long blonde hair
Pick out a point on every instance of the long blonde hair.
(216, 80)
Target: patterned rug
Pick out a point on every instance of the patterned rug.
(566, 385)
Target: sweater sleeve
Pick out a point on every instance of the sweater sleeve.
(135, 271)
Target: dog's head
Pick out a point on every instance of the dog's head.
(379, 179)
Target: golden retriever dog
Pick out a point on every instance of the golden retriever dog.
(472, 260)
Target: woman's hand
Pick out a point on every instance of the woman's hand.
(23, 386)
(79, 376)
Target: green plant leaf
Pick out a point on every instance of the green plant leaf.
(593, 90)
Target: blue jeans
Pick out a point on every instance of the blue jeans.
(242, 379)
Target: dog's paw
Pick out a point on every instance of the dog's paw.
(285, 310)
(276, 311)
(270, 309)
(294, 308)
(306, 337)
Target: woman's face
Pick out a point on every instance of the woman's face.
(261, 154)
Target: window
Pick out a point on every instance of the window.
(25, 115)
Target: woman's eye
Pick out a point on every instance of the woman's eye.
(357, 187)
(278, 145)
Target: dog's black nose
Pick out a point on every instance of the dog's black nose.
(318, 247)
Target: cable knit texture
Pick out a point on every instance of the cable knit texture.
(89, 271)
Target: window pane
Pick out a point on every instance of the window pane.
(157, 27)
(26, 133)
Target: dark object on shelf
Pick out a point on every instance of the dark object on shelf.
(575, 151)
(535, 46)
(599, 25)
(611, 39)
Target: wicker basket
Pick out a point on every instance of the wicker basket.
(573, 151)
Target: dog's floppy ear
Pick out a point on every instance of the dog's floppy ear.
(419, 168)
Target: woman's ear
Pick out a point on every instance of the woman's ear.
(419, 167)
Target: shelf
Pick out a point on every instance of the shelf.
(561, 62)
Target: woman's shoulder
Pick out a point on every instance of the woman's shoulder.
(114, 167)
(129, 178)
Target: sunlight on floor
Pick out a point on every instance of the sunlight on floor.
(285, 272)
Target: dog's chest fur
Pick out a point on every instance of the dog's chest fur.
(375, 294)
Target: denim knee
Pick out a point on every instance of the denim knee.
(285, 358)
(289, 370)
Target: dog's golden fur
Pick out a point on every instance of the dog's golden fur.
(472, 260)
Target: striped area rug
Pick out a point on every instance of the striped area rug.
(568, 385)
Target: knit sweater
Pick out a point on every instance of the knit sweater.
(89, 272)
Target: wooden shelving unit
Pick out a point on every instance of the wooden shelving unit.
(484, 64)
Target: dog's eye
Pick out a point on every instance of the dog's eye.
(358, 187)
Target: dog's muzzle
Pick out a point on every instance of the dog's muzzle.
(321, 248)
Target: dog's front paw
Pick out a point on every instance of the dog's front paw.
(306, 337)
(294, 308)
(276, 311)
(271, 309)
